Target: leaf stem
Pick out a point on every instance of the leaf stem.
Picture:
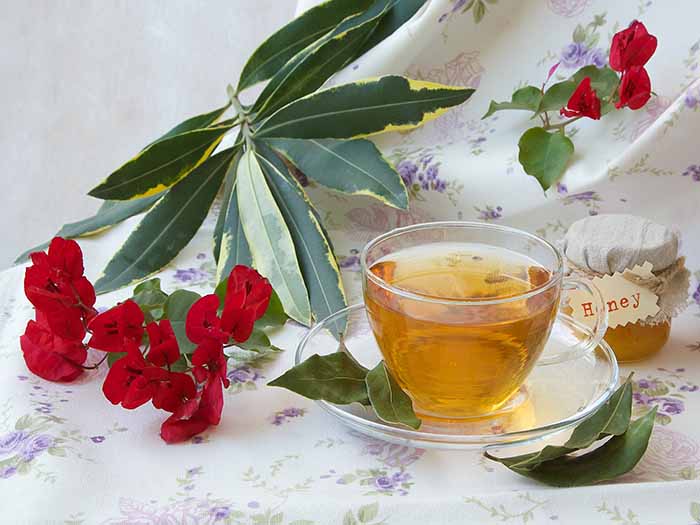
(96, 365)
(562, 125)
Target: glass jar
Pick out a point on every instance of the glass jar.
(636, 341)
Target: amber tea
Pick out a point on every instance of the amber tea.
(468, 348)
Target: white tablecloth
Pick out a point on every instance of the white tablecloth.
(277, 458)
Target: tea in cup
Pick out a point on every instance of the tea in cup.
(462, 311)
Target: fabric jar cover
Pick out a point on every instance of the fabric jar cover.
(606, 244)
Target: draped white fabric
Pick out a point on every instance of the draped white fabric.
(66, 454)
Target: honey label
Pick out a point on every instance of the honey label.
(625, 301)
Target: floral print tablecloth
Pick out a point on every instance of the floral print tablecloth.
(68, 456)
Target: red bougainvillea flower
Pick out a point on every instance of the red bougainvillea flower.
(187, 421)
(203, 323)
(209, 362)
(132, 381)
(50, 356)
(173, 391)
(247, 297)
(212, 403)
(164, 349)
(55, 285)
(113, 329)
(631, 47)
(583, 102)
(55, 280)
(635, 88)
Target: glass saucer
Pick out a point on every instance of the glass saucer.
(554, 398)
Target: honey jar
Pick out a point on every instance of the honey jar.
(619, 246)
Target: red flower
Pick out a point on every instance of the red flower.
(117, 327)
(203, 323)
(195, 415)
(55, 285)
(187, 421)
(209, 362)
(164, 349)
(583, 102)
(635, 88)
(127, 383)
(49, 355)
(212, 402)
(631, 47)
(174, 391)
(247, 297)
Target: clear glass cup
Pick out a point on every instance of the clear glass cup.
(468, 357)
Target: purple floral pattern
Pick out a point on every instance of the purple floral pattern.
(667, 394)
(568, 8)
(692, 172)
(350, 262)
(187, 507)
(669, 456)
(423, 174)
(390, 477)
(420, 172)
(465, 69)
(282, 416)
(203, 273)
(577, 54)
(489, 213)
(243, 377)
(590, 199)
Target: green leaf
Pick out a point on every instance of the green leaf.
(527, 98)
(616, 457)
(57, 451)
(334, 377)
(579, 34)
(150, 298)
(316, 258)
(603, 81)
(389, 402)
(301, 32)
(197, 122)
(695, 511)
(401, 12)
(361, 108)
(479, 11)
(234, 246)
(611, 419)
(109, 214)
(274, 315)
(544, 155)
(176, 308)
(308, 71)
(257, 342)
(167, 228)
(356, 167)
(229, 185)
(368, 512)
(273, 251)
(557, 95)
(113, 357)
(161, 165)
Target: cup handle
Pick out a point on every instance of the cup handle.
(595, 334)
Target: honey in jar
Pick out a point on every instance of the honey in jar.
(607, 244)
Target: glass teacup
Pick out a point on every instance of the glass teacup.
(462, 311)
